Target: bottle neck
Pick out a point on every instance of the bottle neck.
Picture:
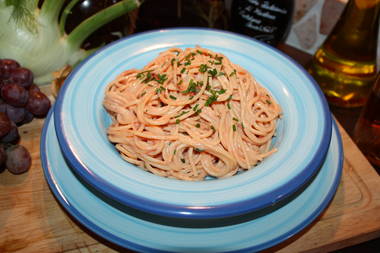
(356, 32)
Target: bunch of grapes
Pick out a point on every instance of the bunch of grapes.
(20, 102)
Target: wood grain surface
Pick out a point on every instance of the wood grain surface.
(31, 220)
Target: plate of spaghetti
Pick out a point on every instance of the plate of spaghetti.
(192, 123)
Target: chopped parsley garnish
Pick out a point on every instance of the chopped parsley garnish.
(161, 78)
(211, 99)
(191, 88)
(214, 96)
(177, 121)
(198, 150)
(219, 60)
(172, 61)
(197, 125)
(180, 82)
(229, 106)
(268, 101)
(234, 128)
(187, 63)
(229, 98)
(142, 94)
(172, 97)
(183, 70)
(183, 160)
(235, 119)
(203, 68)
(213, 128)
(222, 91)
(213, 72)
(195, 107)
(182, 113)
(142, 74)
(199, 52)
(233, 72)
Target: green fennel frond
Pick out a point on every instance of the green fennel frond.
(23, 14)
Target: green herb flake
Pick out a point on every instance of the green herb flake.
(211, 99)
(183, 70)
(229, 106)
(197, 125)
(183, 160)
(213, 72)
(213, 128)
(218, 60)
(198, 150)
(161, 78)
(195, 107)
(234, 128)
(182, 113)
(160, 89)
(177, 121)
(235, 119)
(203, 68)
(172, 97)
(172, 61)
(268, 101)
(233, 72)
(222, 91)
(191, 88)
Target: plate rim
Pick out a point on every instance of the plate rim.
(74, 212)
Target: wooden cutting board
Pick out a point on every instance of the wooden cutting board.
(31, 220)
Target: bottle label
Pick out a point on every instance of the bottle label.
(263, 20)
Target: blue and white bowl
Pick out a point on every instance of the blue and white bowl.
(302, 139)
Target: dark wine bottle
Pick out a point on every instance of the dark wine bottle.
(265, 20)
(154, 14)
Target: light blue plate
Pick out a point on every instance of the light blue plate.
(128, 231)
(302, 138)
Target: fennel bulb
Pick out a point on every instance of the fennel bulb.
(35, 37)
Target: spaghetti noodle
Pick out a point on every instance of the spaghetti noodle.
(189, 114)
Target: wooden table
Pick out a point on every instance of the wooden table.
(31, 220)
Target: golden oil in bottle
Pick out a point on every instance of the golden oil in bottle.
(345, 65)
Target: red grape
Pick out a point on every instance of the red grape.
(18, 159)
(12, 136)
(3, 106)
(22, 77)
(6, 65)
(5, 124)
(34, 88)
(38, 104)
(15, 114)
(28, 117)
(14, 94)
(3, 157)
